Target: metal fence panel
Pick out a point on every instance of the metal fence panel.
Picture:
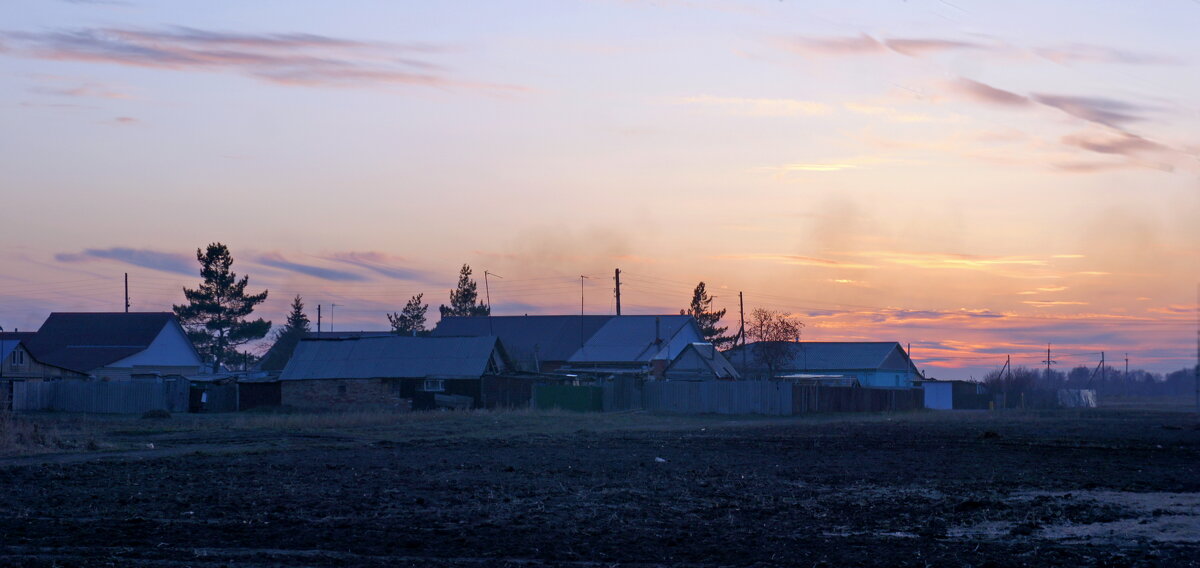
(108, 397)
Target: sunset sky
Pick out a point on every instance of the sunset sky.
(974, 178)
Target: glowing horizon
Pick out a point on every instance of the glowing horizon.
(972, 179)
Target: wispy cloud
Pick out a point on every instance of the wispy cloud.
(799, 260)
(92, 90)
(1121, 143)
(285, 58)
(145, 258)
(1053, 303)
(1087, 53)
(382, 264)
(918, 47)
(1109, 112)
(759, 106)
(988, 94)
(278, 261)
(864, 44)
(854, 45)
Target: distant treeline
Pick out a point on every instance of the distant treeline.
(1106, 381)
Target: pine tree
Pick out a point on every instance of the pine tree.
(410, 320)
(462, 299)
(287, 337)
(215, 316)
(701, 310)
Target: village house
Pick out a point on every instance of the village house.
(878, 364)
(110, 345)
(399, 371)
(700, 362)
(536, 344)
(597, 345)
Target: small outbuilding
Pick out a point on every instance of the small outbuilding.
(954, 395)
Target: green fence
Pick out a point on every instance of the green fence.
(566, 397)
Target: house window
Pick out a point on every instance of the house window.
(18, 357)
(434, 385)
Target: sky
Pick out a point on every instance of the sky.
(972, 179)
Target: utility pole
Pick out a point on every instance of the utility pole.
(488, 293)
(1126, 367)
(617, 278)
(1197, 370)
(318, 320)
(1048, 361)
(742, 329)
(581, 279)
(126, 292)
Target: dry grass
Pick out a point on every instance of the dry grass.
(22, 436)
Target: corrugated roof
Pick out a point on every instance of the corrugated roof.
(83, 341)
(549, 338)
(837, 356)
(631, 339)
(391, 356)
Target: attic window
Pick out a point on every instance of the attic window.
(18, 357)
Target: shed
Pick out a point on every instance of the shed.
(954, 395)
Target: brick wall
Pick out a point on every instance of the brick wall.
(341, 394)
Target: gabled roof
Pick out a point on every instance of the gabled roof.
(548, 338)
(393, 356)
(628, 339)
(10, 339)
(83, 341)
(708, 355)
(838, 356)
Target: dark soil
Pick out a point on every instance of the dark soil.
(895, 493)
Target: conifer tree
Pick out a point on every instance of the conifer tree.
(410, 320)
(216, 315)
(462, 298)
(287, 337)
(706, 318)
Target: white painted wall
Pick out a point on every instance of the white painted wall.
(170, 349)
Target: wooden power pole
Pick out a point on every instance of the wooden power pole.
(617, 289)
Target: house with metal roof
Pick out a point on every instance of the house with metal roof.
(700, 362)
(111, 345)
(640, 344)
(392, 371)
(637, 344)
(539, 344)
(880, 364)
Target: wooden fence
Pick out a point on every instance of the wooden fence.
(775, 398)
(82, 395)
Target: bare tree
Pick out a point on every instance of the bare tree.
(775, 335)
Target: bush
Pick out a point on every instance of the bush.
(156, 414)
